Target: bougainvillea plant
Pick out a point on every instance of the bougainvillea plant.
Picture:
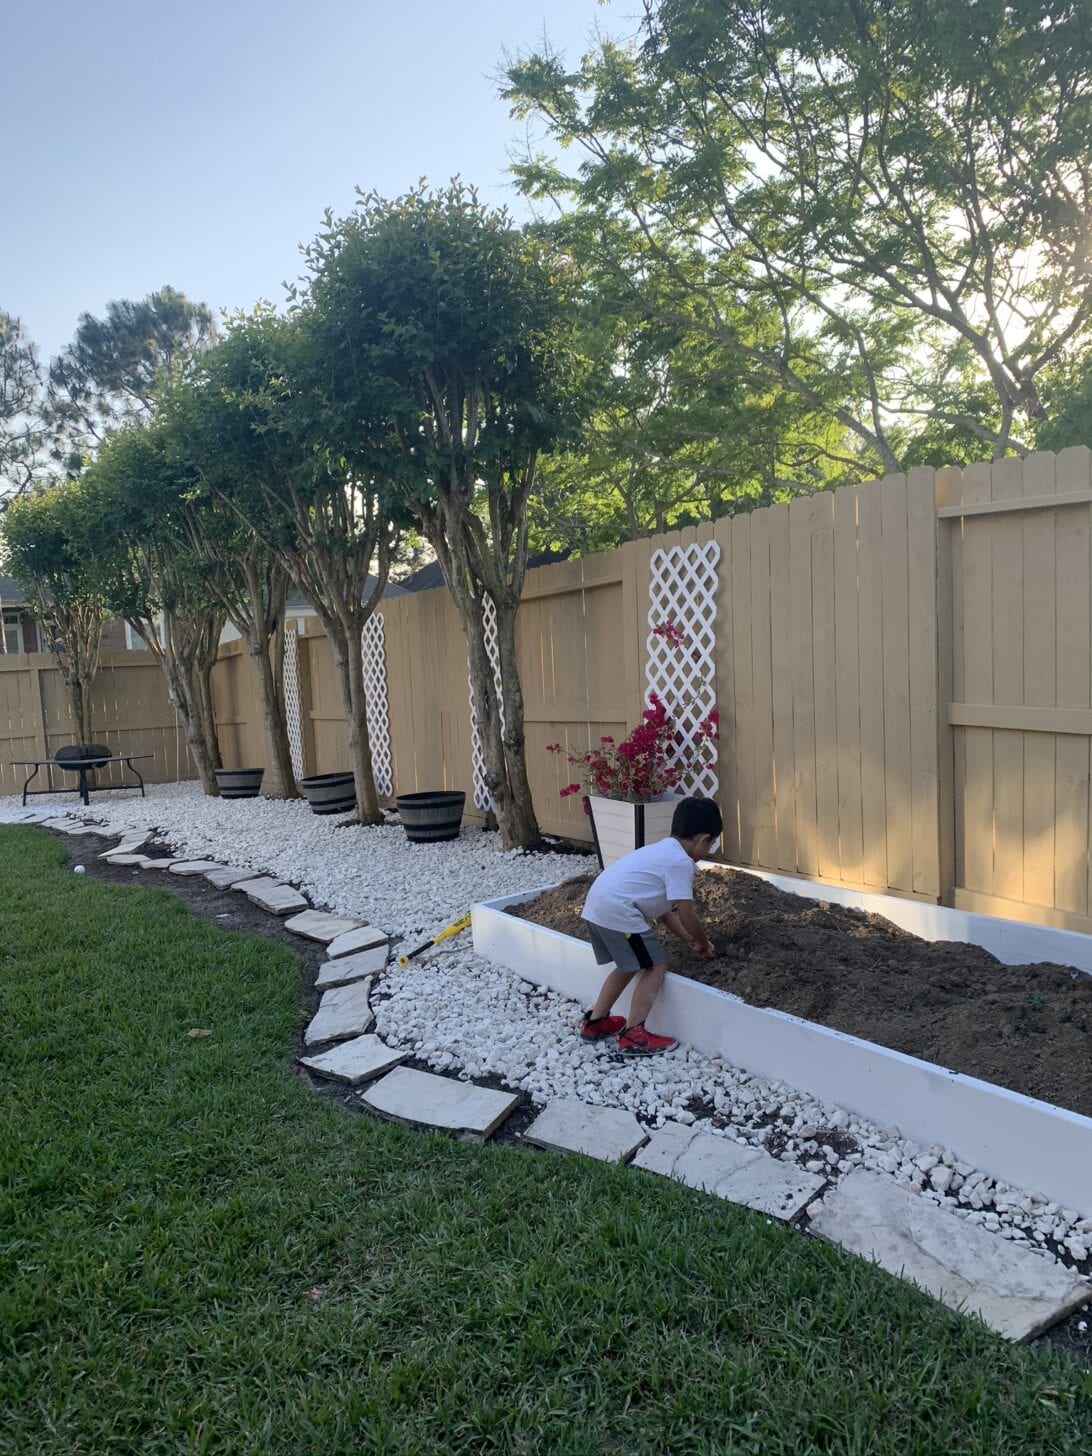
(655, 758)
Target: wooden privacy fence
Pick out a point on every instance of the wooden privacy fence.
(903, 671)
(129, 711)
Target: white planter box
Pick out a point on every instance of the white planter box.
(620, 826)
(1025, 1142)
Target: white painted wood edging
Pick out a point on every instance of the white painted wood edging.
(1027, 1143)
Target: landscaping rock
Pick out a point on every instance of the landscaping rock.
(738, 1174)
(269, 895)
(355, 1061)
(1016, 1292)
(364, 937)
(347, 969)
(425, 1100)
(228, 877)
(321, 926)
(607, 1133)
(342, 1013)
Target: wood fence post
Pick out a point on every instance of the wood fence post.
(948, 487)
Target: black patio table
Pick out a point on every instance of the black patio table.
(82, 765)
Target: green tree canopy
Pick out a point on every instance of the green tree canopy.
(109, 373)
(20, 407)
(881, 205)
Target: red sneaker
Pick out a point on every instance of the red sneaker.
(602, 1026)
(637, 1042)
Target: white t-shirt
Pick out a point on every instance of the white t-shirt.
(634, 890)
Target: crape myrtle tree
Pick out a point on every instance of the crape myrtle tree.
(135, 532)
(210, 441)
(42, 541)
(899, 187)
(446, 333)
(325, 513)
(111, 371)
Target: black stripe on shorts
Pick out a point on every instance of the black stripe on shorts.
(640, 950)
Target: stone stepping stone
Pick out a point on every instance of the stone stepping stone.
(426, 1100)
(126, 859)
(364, 937)
(270, 895)
(320, 925)
(1017, 1293)
(347, 969)
(228, 877)
(342, 1013)
(355, 1061)
(194, 866)
(163, 864)
(64, 825)
(740, 1175)
(609, 1133)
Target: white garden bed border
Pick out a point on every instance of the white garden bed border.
(1027, 1143)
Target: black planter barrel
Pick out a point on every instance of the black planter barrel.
(239, 783)
(332, 793)
(430, 818)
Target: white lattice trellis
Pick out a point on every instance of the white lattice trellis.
(683, 590)
(373, 649)
(482, 797)
(292, 700)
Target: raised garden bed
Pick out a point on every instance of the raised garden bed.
(852, 1009)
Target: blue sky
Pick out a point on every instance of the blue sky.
(198, 143)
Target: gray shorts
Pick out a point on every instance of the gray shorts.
(636, 952)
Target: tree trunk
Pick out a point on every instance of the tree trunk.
(518, 823)
(79, 706)
(183, 692)
(350, 677)
(280, 777)
(202, 690)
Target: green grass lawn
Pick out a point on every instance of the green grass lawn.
(168, 1205)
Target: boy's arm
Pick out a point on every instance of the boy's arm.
(693, 930)
(675, 925)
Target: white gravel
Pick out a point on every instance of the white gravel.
(410, 890)
(458, 1012)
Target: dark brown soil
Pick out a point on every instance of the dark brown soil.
(1025, 1027)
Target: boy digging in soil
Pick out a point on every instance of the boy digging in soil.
(653, 883)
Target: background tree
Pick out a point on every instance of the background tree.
(108, 374)
(880, 205)
(446, 335)
(42, 541)
(21, 431)
(135, 533)
(327, 518)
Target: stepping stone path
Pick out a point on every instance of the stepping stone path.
(355, 1061)
(126, 859)
(425, 1100)
(193, 867)
(164, 864)
(269, 895)
(321, 926)
(609, 1133)
(729, 1170)
(342, 1013)
(365, 937)
(347, 969)
(228, 877)
(1017, 1293)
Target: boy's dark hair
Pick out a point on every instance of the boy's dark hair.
(696, 816)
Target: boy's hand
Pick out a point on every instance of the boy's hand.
(704, 950)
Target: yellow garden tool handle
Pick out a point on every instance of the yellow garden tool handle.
(455, 928)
